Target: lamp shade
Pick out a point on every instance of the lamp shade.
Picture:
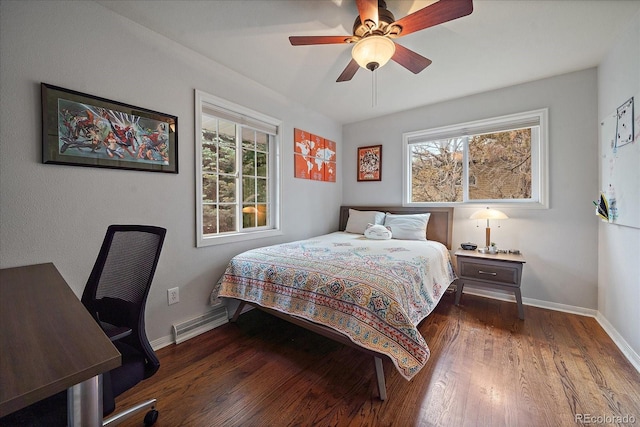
(373, 51)
(489, 214)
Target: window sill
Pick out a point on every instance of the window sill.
(494, 204)
(204, 241)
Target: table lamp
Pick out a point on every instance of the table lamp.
(489, 214)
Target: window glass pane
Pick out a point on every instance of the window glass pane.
(262, 141)
(209, 138)
(227, 218)
(209, 157)
(261, 164)
(248, 138)
(209, 219)
(248, 162)
(227, 158)
(226, 147)
(227, 131)
(249, 216)
(254, 215)
(209, 127)
(261, 196)
(262, 215)
(209, 188)
(248, 190)
(227, 190)
(436, 171)
(500, 164)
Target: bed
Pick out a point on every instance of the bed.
(364, 292)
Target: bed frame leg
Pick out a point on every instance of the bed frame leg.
(382, 388)
(238, 311)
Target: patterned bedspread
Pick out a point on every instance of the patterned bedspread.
(375, 292)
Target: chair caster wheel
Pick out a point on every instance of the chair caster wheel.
(151, 417)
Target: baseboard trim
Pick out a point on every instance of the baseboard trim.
(162, 342)
(530, 301)
(622, 344)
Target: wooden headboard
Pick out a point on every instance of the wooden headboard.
(440, 227)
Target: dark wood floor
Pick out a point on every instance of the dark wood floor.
(487, 368)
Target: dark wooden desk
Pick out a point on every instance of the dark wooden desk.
(49, 342)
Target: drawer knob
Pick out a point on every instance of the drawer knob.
(491, 273)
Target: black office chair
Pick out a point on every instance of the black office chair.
(115, 295)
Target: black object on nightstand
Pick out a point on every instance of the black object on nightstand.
(500, 271)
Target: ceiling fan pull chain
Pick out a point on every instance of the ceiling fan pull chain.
(374, 88)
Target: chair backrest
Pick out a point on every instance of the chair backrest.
(118, 286)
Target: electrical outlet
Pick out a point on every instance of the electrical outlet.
(173, 295)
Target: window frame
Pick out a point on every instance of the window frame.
(539, 157)
(245, 117)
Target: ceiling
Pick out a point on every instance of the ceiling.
(502, 43)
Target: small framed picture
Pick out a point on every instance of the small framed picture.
(370, 163)
(85, 130)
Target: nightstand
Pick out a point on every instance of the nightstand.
(500, 271)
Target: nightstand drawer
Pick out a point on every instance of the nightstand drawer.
(495, 273)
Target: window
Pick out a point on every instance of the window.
(238, 182)
(502, 161)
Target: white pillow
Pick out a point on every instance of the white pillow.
(358, 220)
(408, 227)
(377, 232)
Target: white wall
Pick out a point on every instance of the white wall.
(618, 246)
(60, 213)
(559, 243)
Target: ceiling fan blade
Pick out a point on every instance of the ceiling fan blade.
(410, 60)
(310, 40)
(368, 10)
(434, 14)
(349, 72)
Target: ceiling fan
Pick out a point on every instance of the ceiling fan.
(376, 27)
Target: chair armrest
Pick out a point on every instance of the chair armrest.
(115, 332)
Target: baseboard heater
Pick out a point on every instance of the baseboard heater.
(210, 320)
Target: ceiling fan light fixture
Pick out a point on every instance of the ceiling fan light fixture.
(374, 51)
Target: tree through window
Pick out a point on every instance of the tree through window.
(238, 173)
(496, 160)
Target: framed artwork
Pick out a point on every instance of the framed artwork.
(370, 163)
(85, 130)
